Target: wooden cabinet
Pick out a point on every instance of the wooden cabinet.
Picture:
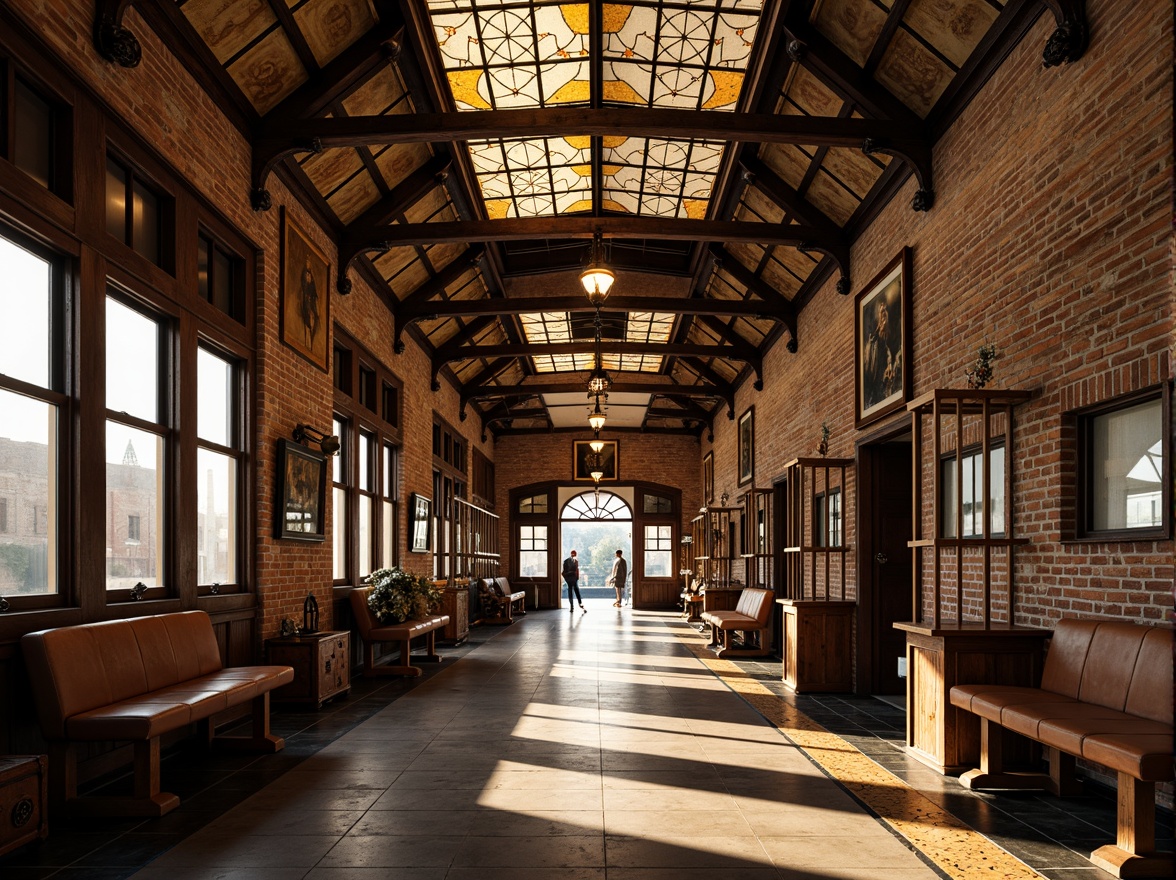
(23, 800)
(322, 666)
(455, 601)
(818, 645)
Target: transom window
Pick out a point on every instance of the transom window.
(593, 505)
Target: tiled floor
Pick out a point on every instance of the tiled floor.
(569, 746)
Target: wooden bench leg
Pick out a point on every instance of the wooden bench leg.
(147, 800)
(992, 773)
(431, 655)
(1134, 854)
(260, 738)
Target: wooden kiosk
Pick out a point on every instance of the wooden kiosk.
(817, 644)
(963, 570)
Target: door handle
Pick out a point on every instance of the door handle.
(881, 558)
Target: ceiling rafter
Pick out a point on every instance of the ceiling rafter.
(782, 307)
(431, 310)
(399, 200)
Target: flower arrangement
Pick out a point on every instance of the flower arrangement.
(398, 595)
(980, 373)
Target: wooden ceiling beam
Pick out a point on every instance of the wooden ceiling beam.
(449, 352)
(579, 226)
(762, 128)
(722, 392)
(781, 308)
(429, 310)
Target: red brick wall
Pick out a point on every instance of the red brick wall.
(668, 460)
(1050, 237)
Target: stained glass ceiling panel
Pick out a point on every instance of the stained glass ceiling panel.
(690, 54)
(529, 178)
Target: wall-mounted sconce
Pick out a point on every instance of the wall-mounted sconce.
(328, 443)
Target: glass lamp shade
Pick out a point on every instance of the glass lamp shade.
(597, 279)
(597, 446)
(596, 475)
(596, 419)
(599, 382)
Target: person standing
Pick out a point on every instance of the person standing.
(616, 578)
(571, 574)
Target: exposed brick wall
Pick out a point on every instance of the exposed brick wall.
(668, 460)
(1051, 238)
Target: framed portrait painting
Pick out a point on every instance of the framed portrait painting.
(882, 342)
(708, 478)
(747, 446)
(420, 524)
(302, 492)
(582, 464)
(305, 288)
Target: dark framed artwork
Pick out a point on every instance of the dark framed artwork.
(302, 492)
(882, 342)
(708, 478)
(747, 446)
(420, 524)
(305, 289)
(581, 471)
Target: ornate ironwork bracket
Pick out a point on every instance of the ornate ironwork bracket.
(792, 344)
(347, 254)
(1069, 40)
(920, 163)
(838, 254)
(266, 155)
(113, 41)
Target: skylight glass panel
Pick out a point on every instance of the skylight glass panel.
(500, 55)
(690, 57)
(546, 327)
(662, 178)
(533, 177)
(649, 327)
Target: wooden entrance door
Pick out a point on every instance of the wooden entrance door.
(885, 566)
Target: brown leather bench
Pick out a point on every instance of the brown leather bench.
(1105, 696)
(137, 680)
(497, 603)
(752, 617)
(373, 632)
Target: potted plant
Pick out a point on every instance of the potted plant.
(398, 595)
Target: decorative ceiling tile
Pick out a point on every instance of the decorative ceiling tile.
(382, 93)
(396, 163)
(228, 26)
(354, 197)
(788, 161)
(268, 72)
(954, 27)
(852, 26)
(853, 168)
(835, 201)
(807, 93)
(913, 74)
(330, 26)
(777, 276)
(330, 169)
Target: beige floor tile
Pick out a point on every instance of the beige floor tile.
(392, 852)
(840, 851)
(549, 851)
(688, 852)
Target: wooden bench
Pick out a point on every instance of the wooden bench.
(497, 603)
(752, 617)
(373, 632)
(1105, 696)
(137, 680)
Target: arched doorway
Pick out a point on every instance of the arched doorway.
(596, 525)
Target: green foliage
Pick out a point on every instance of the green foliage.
(398, 595)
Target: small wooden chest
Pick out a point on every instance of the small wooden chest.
(322, 666)
(23, 800)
